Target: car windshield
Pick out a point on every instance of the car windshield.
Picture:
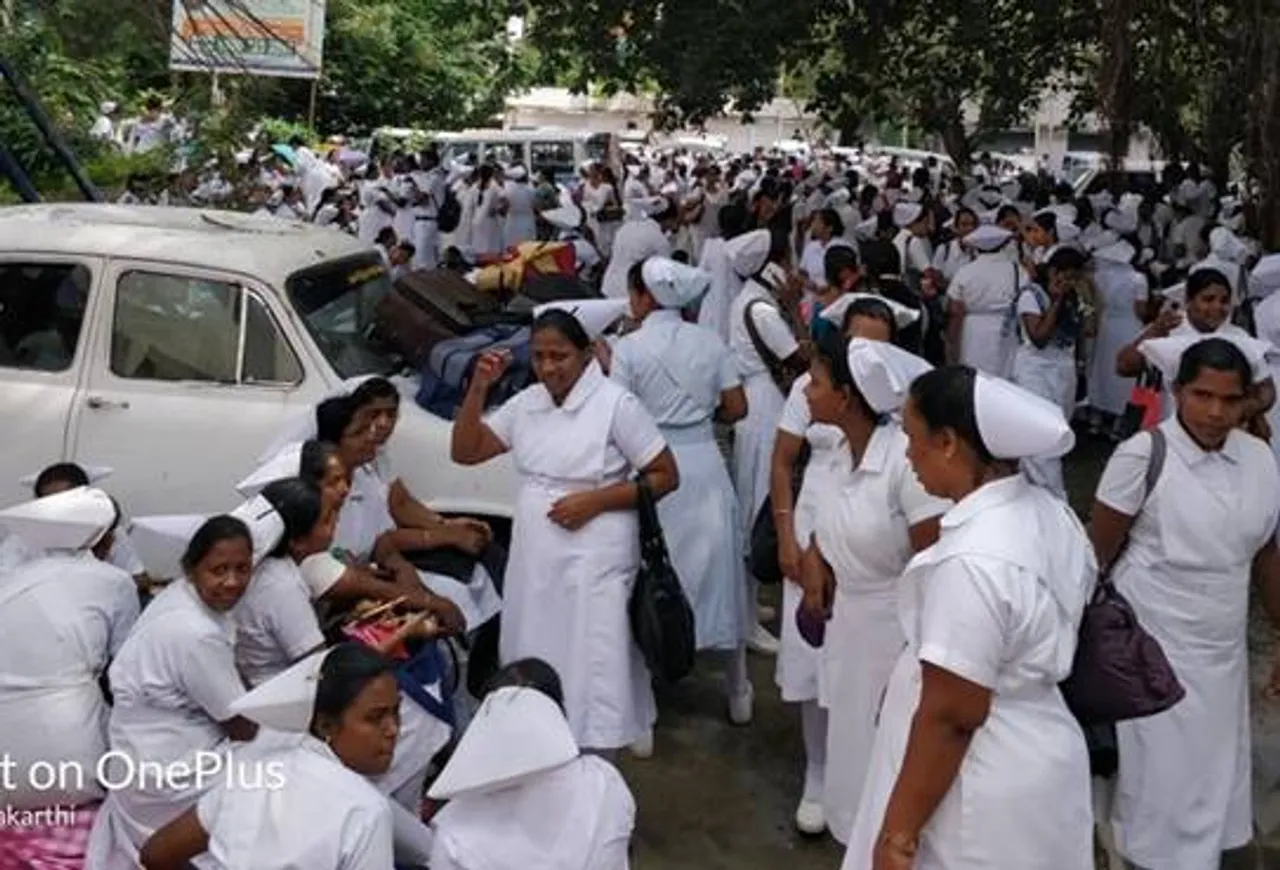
(338, 302)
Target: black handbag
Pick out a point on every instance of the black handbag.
(762, 560)
(662, 621)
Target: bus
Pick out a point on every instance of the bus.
(560, 153)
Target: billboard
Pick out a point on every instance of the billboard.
(251, 37)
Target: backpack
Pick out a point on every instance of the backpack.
(449, 215)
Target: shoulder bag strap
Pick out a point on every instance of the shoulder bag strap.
(1155, 467)
(768, 357)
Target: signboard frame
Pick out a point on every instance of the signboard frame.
(279, 38)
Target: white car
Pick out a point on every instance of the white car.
(175, 345)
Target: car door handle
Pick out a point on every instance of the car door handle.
(98, 403)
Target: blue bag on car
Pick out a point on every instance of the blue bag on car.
(448, 368)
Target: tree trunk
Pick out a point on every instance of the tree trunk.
(1115, 75)
(957, 142)
(1262, 146)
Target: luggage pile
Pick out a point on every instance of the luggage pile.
(441, 323)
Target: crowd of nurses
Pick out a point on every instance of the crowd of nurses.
(933, 575)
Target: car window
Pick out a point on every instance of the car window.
(554, 158)
(179, 328)
(505, 153)
(41, 311)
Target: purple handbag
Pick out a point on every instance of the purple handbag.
(812, 627)
(1119, 671)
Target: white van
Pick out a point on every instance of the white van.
(174, 345)
(560, 153)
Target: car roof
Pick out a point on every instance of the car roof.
(267, 248)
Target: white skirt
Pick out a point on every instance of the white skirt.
(703, 529)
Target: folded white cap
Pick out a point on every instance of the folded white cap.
(287, 701)
(1227, 245)
(517, 733)
(988, 237)
(902, 315)
(906, 213)
(161, 542)
(266, 526)
(673, 284)
(95, 473)
(1116, 252)
(565, 217)
(283, 466)
(749, 252)
(1266, 275)
(516, 173)
(1121, 222)
(865, 231)
(76, 519)
(1166, 353)
(1017, 424)
(595, 315)
(883, 373)
(839, 196)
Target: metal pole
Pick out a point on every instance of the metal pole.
(311, 110)
(12, 169)
(32, 106)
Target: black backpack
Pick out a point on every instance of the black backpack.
(449, 214)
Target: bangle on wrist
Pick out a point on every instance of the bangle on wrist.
(904, 844)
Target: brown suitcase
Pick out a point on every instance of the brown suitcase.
(428, 307)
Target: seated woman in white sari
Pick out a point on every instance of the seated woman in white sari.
(367, 531)
(277, 626)
(340, 708)
(175, 679)
(521, 795)
(63, 616)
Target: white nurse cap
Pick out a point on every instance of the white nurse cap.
(749, 252)
(1116, 252)
(1166, 353)
(565, 217)
(865, 231)
(517, 733)
(161, 541)
(73, 520)
(287, 701)
(883, 373)
(988, 237)
(283, 466)
(1122, 222)
(1266, 275)
(673, 284)
(1017, 424)
(836, 311)
(595, 315)
(906, 213)
(95, 473)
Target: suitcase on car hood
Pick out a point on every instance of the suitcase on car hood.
(425, 308)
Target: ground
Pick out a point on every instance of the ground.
(719, 797)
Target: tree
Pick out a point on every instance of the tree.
(911, 61)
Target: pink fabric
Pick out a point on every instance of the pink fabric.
(48, 839)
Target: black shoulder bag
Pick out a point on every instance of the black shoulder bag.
(661, 619)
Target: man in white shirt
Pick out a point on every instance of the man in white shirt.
(428, 195)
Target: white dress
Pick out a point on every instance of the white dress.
(950, 259)
(521, 224)
(725, 287)
(754, 436)
(988, 287)
(678, 371)
(276, 624)
(578, 816)
(62, 619)
(1186, 572)
(1049, 372)
(566, 593)
(863, 533)
(797, 672)
(1266, 318)
(1001, 611)
(594, 200)
(319, 816)
(1118, 287)
(486, 223)
(636, 240)
(173, 682)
